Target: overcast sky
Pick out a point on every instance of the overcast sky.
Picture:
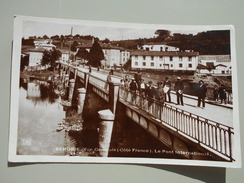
(37, 28)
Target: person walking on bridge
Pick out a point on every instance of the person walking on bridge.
(222, 94)
(150, 94)
(201, 94)
(159, 93)
(133, 89)
(167, 86)
(179, 87)
(137, 77)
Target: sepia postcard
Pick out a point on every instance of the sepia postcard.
(106, 92)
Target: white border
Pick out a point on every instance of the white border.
(18, 27)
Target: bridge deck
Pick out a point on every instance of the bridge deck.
(216, 113)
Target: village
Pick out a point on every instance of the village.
(155, 60)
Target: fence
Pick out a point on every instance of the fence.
(206, 132)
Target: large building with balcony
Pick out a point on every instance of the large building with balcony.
(161, 60)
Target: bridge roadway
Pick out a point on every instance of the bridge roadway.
(220, 114)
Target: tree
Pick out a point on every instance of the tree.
(45, 37)
(210, 66)
(163, 33)
(55, 55)
(106, 40)
(127, 65)
(96, 55)
(50, 57)
(24, 62)
(82, 53)
(73, 46)
(46, 58)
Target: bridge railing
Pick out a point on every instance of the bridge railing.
(99, 83)
(210, 134)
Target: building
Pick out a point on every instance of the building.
(43, 43)
(172, 60)
(35, 56)
(217, 64)
(124, 56)
(159, 47)
(114, 55)
(65, 55)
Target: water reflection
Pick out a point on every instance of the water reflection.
(48, 128)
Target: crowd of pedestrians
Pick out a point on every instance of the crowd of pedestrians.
(161, 91)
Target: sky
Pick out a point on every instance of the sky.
(110, 31)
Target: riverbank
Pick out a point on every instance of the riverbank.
(40, 75)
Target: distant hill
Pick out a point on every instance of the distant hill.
(206, 43)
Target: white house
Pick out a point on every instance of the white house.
(64, 55)
(37, 53)
(35, 56)
(159, 47)
(141, 59)
(46, 44)
(221, 64)
(124, 56)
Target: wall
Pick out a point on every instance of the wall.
(157, 12)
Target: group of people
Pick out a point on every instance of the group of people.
(137, 85)
(162, 92)
(220, 93)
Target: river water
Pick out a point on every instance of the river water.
(40, 112)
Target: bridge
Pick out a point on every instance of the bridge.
(182, 130)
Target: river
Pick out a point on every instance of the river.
(40, 112)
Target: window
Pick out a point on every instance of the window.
(147, 49)
(171, 65)
(180, 58)
(190, 65)
(170, 58)
(136, 57)
(152, 64)
(190, 59)
(136, 63)
(143, 63)
(160, 65)
(144, 57)
(180, 65)
(161, 48)
(152, 57)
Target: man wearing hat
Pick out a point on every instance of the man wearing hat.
(133, 88)
(142, 87)
(179, 87)
(150, 90)
(201, 94)
(167, 86)
(150, 93)
(133, 85)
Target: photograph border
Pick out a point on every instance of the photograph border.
(14, 107)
